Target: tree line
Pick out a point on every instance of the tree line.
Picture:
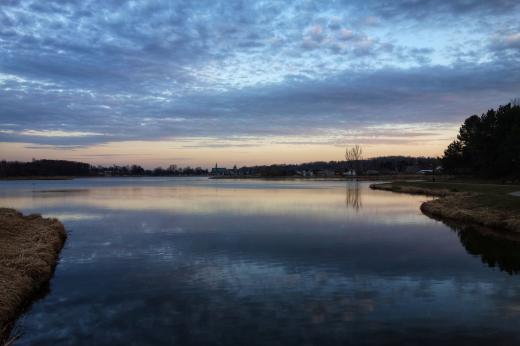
(52, 168)
(44, 168)
(381, 165)
(487, 145)
(56, 168)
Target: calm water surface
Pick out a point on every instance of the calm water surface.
(192, 261)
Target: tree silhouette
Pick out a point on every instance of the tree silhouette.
(488, 145)
(353, 156)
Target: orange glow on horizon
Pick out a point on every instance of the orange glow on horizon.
(246, 152)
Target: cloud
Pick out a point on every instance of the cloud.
(56, 133)
(81, 73)
(506, 41)
(441, 8)
(513, 40)
(346, 34)
(294, 107)
(55, 147)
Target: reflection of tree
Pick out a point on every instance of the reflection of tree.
(494, 249)
(353, 196)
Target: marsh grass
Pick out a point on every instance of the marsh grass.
(29, 248)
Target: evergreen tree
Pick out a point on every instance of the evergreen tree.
(488, 145)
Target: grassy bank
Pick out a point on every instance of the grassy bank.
(489, 205)
(29, 248)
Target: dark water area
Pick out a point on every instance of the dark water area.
(192, 261)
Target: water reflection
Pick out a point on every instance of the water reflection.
(496, 249)
(197, 262)
(353, 196)
(321, 201)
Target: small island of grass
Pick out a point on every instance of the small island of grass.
(29, 248)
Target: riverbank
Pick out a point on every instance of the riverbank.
(488, 205)
(29, 248)
(317, 177)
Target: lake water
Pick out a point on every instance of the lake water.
(192, 261)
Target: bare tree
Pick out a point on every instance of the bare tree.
(357, 152)
(172, 168)
(348, 156)
(353, 156)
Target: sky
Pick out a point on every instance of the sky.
(161, 82)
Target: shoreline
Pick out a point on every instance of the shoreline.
(96, 176)
(331, 178)
(29, 250)
(462, 205)
(378, 177)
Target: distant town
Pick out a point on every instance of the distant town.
(388, 165)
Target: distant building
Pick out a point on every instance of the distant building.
(218, 171)
(350, 173)
(372, 172)
(224, 171)
(305, 173)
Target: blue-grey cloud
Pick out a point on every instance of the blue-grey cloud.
(75, 73)
(421, 9)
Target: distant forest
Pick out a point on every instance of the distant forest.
(51, 168)
(487, 145)
(62, 168)
(44, 168)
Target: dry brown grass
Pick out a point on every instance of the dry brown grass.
(459, 207)
(29, 248)
(479, 208)
(411, 189)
